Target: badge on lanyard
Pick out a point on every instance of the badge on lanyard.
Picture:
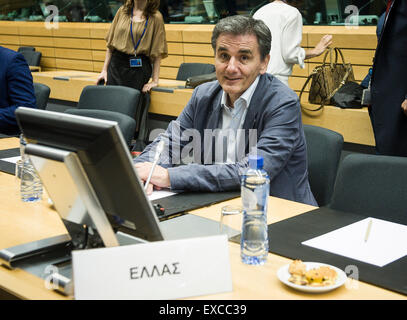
(136, 62)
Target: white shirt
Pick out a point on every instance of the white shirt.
(285, 24)
(229, 141)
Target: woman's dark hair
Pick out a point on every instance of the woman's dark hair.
(240, 25)
(151, 7)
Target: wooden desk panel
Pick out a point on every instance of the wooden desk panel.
(69, 90)
(353, 124)
(34, 68)
(170, 104)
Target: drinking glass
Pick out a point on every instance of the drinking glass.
(231, 220)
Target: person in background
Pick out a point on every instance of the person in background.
(243, 103)
(16, 89)
(388, 111)
(379, 27)
(136, 43)
(285, 24)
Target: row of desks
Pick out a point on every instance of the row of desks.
(24, 222)
(169, 99)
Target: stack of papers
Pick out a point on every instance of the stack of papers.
(384, 243)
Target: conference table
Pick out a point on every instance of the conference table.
(24, 222)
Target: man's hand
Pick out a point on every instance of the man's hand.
(159, 179)
(404, 106)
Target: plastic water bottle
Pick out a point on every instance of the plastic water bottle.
(255, 191)
(30, 185)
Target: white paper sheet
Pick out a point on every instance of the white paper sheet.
(158, 194)
(387, 241)
(12, 159)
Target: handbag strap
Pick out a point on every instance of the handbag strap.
(338, 52)
(306, 82)
(345, 77)
(329, 51)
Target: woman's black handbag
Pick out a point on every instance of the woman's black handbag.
(195, 81)
(349, 96)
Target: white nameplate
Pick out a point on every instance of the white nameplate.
(155, 270)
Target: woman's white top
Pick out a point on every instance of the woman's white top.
(285, 24)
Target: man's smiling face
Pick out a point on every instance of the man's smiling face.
(238, 63)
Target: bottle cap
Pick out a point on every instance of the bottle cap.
(256, 162)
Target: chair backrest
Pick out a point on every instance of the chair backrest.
(42, 92)
(26, 49)
(372, 185)
(126, 124)
(324, 148)
(111, 98)
(187, 70)
(33, 58)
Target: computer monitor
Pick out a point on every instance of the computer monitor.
(88, 172)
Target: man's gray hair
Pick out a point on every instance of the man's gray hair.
(241, 25)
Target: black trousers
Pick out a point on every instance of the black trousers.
(120, 73)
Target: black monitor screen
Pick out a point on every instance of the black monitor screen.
(105, 158)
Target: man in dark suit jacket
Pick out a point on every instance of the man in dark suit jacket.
(388, 112)
(256, 112)
(16, 89)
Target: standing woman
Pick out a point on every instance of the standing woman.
(136, 44)
(285, 24)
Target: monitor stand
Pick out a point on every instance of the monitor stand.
(50, 259)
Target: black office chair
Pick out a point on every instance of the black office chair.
(112, 98)
(372, 185)
(26, 49)
(126, 124)
(116, 103)
(187, 70)
(42, 92)
(33, 58)
(324, 148)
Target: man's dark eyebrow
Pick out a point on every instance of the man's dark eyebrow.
(246, 51)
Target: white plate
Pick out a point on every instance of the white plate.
(284, 275)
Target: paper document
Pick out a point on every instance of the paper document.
(11, 159)
(158, 194)
(379, 244)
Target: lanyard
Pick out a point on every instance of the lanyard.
(389, 3)
(131, 32)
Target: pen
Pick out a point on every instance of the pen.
(158, 151)
(369, 226)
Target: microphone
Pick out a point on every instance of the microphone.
(160, 148)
